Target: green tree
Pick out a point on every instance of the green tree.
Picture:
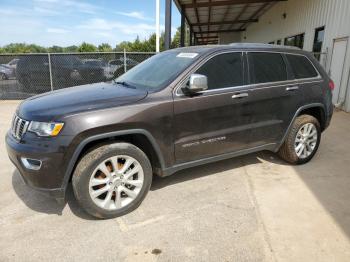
(86, 47)
(176, 39)
(104, 47)
(17, 48)
(56, 49)
(37, 49)
(138, 45)
(146, 45)
(72, 48)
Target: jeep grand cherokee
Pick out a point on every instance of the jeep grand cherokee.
(181, 108)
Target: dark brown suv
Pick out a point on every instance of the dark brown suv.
(181, 108)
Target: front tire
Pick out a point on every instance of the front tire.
(302, 140)
(112, 180)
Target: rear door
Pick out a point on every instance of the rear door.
(274, 97)
(215, 121)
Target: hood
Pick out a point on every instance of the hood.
(53, 105)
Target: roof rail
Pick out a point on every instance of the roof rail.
(257, 45)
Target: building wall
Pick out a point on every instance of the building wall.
(228, 38)
(304, 16)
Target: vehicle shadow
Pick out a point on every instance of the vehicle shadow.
(204, 170)
(44, 204)
(327, 176)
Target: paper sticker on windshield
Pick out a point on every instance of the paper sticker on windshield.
(187, 55)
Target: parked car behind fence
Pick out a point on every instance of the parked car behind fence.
(25, 75)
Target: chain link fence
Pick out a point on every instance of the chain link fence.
(25, 75)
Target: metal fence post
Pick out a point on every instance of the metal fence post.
(50, 72)
(124, 61)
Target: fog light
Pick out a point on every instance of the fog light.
(32, 164)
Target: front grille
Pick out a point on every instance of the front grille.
(19, 127)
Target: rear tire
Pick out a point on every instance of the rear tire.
(302, 141)
(125, 180)
(3, 76)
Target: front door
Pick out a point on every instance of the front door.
(213, 122)
(336, 70)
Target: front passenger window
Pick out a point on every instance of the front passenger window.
(223, 70)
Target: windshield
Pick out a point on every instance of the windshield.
(156, 72)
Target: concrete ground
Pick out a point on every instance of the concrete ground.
(252, 208)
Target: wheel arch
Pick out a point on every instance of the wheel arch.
(316, 110)
(138, 137)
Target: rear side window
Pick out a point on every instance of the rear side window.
(301, 66)
(266, 67)
(223, 70)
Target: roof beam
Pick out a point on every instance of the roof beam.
(209, 15)
(208, 43)
(196, 12)
(244, 9)
(227, 22)
(228, 9)
(255, 14)
(208, 37)
(220, 31)
(194, 4)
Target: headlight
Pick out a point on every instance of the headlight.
(45, 129)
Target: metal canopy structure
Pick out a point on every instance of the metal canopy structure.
(208, 18)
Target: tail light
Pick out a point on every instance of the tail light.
(331, 85)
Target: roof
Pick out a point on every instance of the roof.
(261, 45)
(208, 18)
(238, 46)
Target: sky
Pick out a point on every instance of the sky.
(71, 22)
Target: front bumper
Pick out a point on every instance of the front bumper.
(49, 178)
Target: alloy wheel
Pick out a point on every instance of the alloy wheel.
(116, 182)
(306, 140)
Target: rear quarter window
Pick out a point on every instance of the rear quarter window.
(301, 66)
(266, 67)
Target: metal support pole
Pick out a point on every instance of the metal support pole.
(157, 26)
(191, 36)
(124, 61)
(167, 39)
(182, 34)
(50, 71)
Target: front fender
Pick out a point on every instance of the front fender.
(97, 137)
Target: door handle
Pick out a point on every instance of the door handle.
(236, 96)
(293, 88)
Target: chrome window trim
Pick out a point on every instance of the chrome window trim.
(249, 88)
(315, 79)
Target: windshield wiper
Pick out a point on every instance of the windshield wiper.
(126, 84)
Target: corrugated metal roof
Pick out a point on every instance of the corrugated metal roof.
(209, 17)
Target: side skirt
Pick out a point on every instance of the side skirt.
(171, 170)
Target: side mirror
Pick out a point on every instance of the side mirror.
(196, 83)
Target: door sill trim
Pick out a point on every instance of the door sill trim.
(171, 170)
